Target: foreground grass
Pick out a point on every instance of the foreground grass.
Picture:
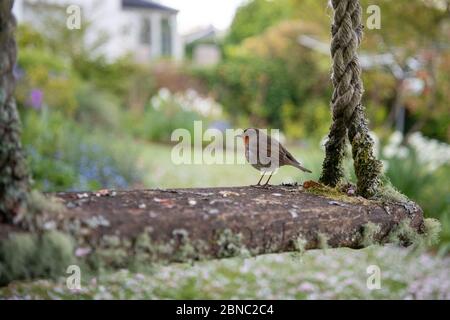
(330, 274)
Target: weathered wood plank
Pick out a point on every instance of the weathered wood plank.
(257, 219)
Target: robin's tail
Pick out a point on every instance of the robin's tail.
(297, 165)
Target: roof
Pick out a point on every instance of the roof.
(143, 4)
(209, 32)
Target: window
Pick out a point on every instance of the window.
(166, 37)
(145, 35)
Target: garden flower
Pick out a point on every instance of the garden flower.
(190, 100)
(431, 153)
(36, 99)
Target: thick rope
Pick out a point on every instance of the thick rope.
(348, 113)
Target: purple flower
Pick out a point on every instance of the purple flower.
(36, 99)
(307, 287)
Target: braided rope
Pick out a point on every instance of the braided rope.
(348, 113)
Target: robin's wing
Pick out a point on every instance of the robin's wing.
(265, 145)
(284, 156)
(288, 155)
(268, 142)
(263, 141)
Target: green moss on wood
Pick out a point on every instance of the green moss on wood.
(144, 253)
(431, 232)
(370, 230)
(387, 192)
(187, 250)
(404, 234)
(322, 241)
(26, 256)
(113, 252)
(231, 244)
(335, 193)
(42, 212)
(300, 245)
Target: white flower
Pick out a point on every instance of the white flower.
(396, 138)
(164, 94)
(189, 100)
(430, 152)
(402, 152)
(389, 151)
(376, 142)
(385, 165)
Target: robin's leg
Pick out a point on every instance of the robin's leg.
(267, 182)
(259, 182)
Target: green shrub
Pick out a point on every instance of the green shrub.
(158, 125)
(49, 74)
(269, 80)
(64, 155)
(250, 87)
(167, 112)
(98, 108)
(67, 104)
(311, 120)
(253, 17)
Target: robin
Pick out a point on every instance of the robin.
(274, 157)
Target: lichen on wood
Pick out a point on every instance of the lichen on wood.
(26, 256)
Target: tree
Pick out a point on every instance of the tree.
(255, 16)
(14, 176)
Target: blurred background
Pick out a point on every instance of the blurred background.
(99, 104)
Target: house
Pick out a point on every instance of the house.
(202, 46)
(145, 29)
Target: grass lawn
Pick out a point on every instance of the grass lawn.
(330, 274)
(155, 160)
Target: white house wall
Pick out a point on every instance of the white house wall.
(177, 42)
(122, 27)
